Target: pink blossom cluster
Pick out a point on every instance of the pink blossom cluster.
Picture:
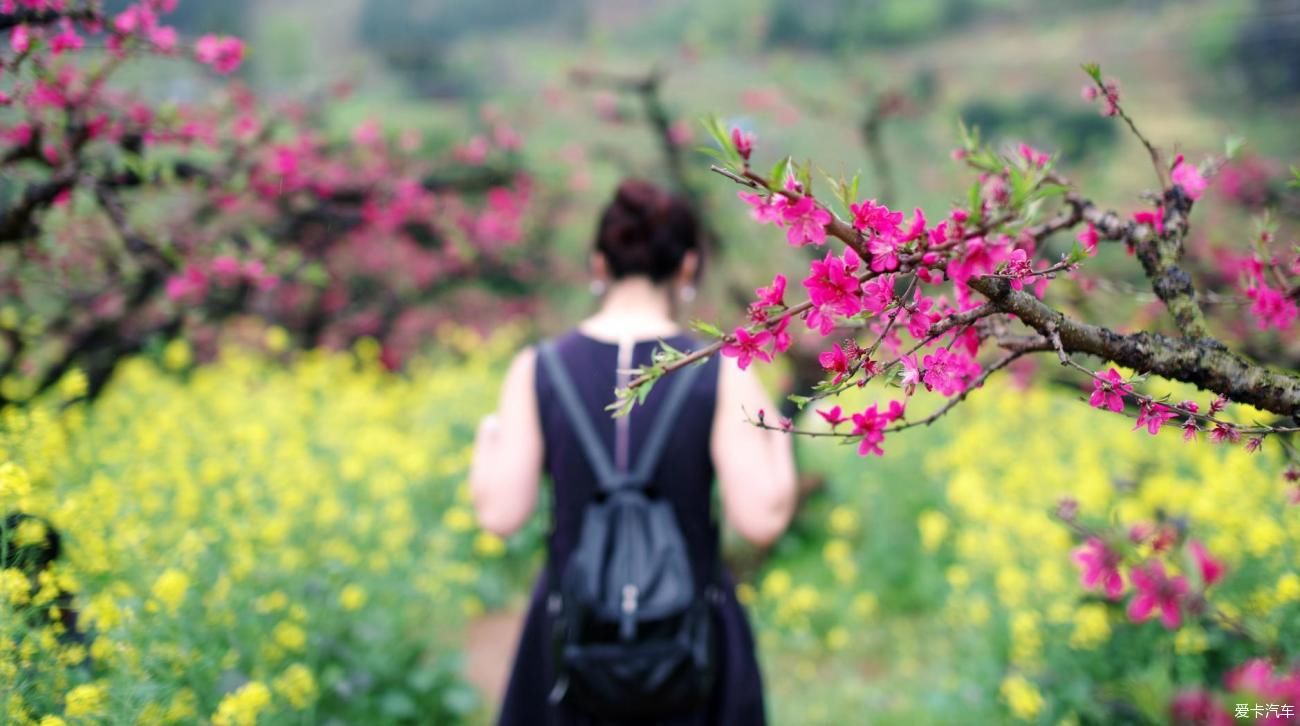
(1247, 181)
(1270, 282)
(1256, 689)
(846, 288)
(1109, 94)
(1154, 590)
(1109, 390)
(193, 283)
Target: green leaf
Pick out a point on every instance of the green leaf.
(1295, 178)
(1233, 145)
(1077, 254)
(707, 328)
(853, 186)
(805, 177)
(782, 167)
(315, 274)
(1020, 186)
(973, 201)
(715, 153)
(970, 136)
(799, 401)
(674, 353)
(238, 182)
(714, 126)
(1046, 191)
(1093, 70)
(840, 189)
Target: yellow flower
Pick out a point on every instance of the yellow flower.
(52, 721)
(776, 583)
(276, 339)
(297, 686)
(290, 636)
(170, 588)
(1190, 640)
(272, 602)
(745, 593)
(837, 638)
(864, 604)
(844, 570)
(1013, 586)
(958, 577)
(458, 519)
(29, 532)
(1022, 697)
(934, 527)
(1026, 641)
(74, 384)
(804, 599)
(184, 706)
(13, 481)
(837, 550)
(14, 586)
(1288, 587)
(85, 701)
(487, 544)
(1091, 626)
(1264, 537)
(176, 354)
(367, 349)
(352, 597)
(843, 520)
(9, 318)
(242, 707)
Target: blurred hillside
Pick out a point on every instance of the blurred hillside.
(804, 75)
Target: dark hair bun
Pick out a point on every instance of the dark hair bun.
(646, 231)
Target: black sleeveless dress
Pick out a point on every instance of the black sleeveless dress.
(686, 474)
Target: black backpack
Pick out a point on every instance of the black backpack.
(632, 635)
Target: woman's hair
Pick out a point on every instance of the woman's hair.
(645, 230)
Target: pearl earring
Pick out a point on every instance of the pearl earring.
(597, 287)
(686, 293)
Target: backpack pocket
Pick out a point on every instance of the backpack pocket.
(647, 677)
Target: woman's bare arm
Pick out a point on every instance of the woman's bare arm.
(506, 469)
(755, 466)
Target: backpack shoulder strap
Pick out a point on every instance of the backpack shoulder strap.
(577, 415)
(655, 442)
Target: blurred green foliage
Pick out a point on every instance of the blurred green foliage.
(1044, 120)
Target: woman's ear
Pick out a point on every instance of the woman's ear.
(690, 268)
(599, 268)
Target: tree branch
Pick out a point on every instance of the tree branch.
(9, 21)
(1160, 255)
(1204, 362)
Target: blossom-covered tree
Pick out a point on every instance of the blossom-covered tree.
(946, 303)
(125, 220)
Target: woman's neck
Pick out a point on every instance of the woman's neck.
(633, 308)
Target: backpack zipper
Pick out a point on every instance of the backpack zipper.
(627, 626)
